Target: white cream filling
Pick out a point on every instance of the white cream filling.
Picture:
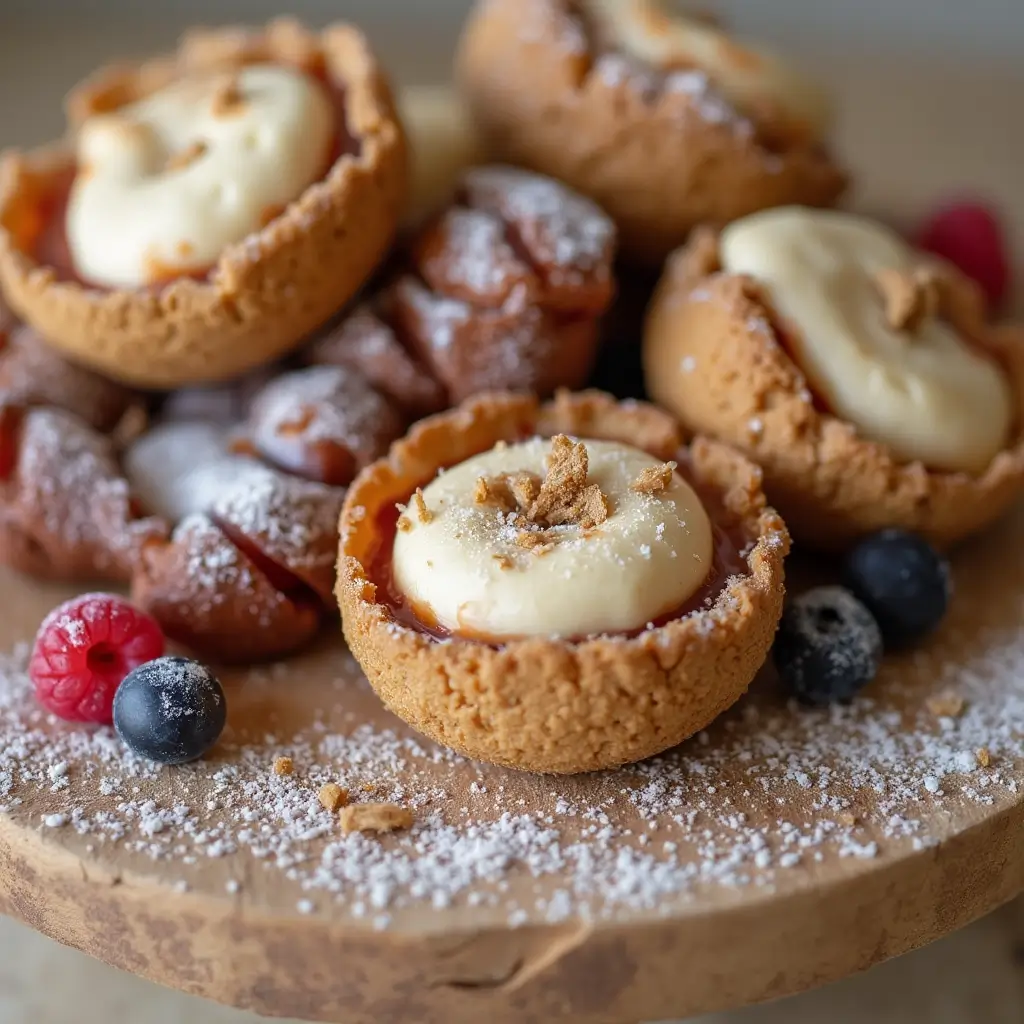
(167, 183)
(927, 394)
(465, 570)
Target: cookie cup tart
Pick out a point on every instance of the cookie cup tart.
(667, 122)
(862, 375)
(552, 604)
(209, 209)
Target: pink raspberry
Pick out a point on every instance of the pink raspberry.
(970, 236)
(83, 651)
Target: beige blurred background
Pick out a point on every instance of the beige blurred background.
(931, 94)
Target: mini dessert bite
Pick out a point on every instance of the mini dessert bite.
(860, 374)
(562, 587)
(66, 510)
(215, 207)
(323, 423)
(667, 121)
(250, 577)
(33, 373)
(505, 289)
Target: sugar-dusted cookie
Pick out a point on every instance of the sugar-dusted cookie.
(666, 121)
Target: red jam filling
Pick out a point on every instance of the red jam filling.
(727, 561)
(45, 236)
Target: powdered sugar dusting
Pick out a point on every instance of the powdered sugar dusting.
(559, 227)
(333, 404)
(768, 791)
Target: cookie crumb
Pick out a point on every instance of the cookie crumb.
(504, 562)
(374, 818)
(654, 479)
(422, 512)
(537, 541)
(227, 97)
(983, 756)
(847, 818)
(283, 766)
(404, 523)
(180, 160)
(911, 297)
(332, 797)
(945, 705)
(510, 492)
(565, 498)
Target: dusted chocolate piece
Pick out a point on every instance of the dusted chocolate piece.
(34, 374)
(66, 511)
(210, 596)
(506, 290)
(323, 423)
(364, 342)
(250, 578)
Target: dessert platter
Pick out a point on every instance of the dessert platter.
(522, 549)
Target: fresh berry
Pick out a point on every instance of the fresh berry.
(171, 710)
(84, 649)
(903, 581)
(828, 646)
(970, 237)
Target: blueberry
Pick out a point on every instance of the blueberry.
(903, 581)
(828, 646)
(170, 710)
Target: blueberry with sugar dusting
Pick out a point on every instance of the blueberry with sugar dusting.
(170, 710)
(904, 582)
(828, 646)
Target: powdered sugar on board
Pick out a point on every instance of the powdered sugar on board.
(770, 793)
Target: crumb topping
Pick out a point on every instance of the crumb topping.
(911, 296)
(946, 705)
(374, 818)
(654, 479)
(332, 797)
(423, 514)
(283, 766)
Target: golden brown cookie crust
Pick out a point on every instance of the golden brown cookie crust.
(712, 357)
(266, 292)
(556, 705)
(659, 162)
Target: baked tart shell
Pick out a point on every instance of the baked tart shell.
(266, 292)
(714, 358)
(657, 164)
(548, 705)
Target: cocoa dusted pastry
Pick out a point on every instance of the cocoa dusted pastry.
(506, 289)
(666, 120)
(364, 342)
(250, 578)
(211, 208)
(323, 423)
(66, 511)
(32, 373)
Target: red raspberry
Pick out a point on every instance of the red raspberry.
(84, 649)
(970, 237)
